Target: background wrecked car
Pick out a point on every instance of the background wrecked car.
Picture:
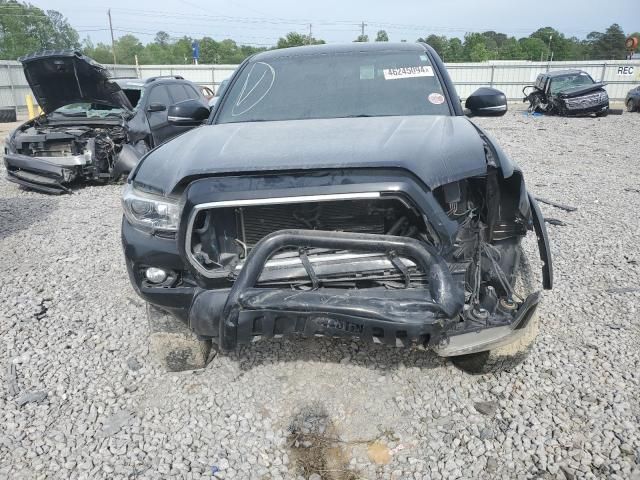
(94, 127)
(633, 100)
(567, 93)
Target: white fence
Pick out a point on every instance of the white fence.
(508, 76)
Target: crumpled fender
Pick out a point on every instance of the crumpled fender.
(128, 158)
(496, 157)
(544, 246)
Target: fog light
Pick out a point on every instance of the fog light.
(155, 275)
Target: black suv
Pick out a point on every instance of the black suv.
(337, 190)
(94, 127)
(567, 93)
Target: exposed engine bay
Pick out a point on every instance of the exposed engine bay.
(51, 156)
(94, 149)
(483, 261)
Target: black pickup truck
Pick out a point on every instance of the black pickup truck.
(340, 191)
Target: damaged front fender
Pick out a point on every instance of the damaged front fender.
(544, 247)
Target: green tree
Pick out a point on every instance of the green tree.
(494, 40)
(532, 48)
(382, 36)
(127, 47)
(608, 45)
(25, 29)
(510, 50)
(362, 39)
(63, 35)
(156, 53)
(162, 38)
(475, 48)
(560, 46)
(295, 39)
(101, 52)
(578, 49)
(439, 43)
(455, 50)
(181, 51)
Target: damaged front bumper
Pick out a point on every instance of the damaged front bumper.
(47, 175)
(432, 316)
(387, 314)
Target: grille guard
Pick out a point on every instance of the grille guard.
(447, 296)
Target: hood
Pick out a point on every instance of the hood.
(59, 78)
(582, 90)
(437, 149)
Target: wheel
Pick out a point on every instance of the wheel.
(502, 359)
(507, 357)
(602, 114)
(7, 115)
(173, 344)
(630, 106)
(537, 103)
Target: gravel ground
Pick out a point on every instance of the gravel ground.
(80, 397)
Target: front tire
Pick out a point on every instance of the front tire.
(505, 358)
(502, 359)
(630, 106)
(172, 343)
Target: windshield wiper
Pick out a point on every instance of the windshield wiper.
(257, 120)
(364, 115)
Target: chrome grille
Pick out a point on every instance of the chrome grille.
(586, 101)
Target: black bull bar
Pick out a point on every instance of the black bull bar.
(446, 295)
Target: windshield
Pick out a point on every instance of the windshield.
(89, 110)
(573, 80)
(133, 92)
(336, 85)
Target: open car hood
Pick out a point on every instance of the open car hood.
(59, 78)
(577, 91)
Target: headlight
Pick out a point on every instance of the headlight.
(149, 212)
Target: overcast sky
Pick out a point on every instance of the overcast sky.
(262, 22)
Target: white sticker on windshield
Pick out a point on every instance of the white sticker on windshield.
(408, 72)
(436, 98)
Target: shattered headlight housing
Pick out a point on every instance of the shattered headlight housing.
(148, 212)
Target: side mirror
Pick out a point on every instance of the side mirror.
(486, 102)
(156, 107)
(188, 112)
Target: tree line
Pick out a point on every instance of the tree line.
(25, 28)
(544, 44)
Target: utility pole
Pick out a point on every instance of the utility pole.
(310, 33)
(362, 25)
(113, 41)
(549, 55)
